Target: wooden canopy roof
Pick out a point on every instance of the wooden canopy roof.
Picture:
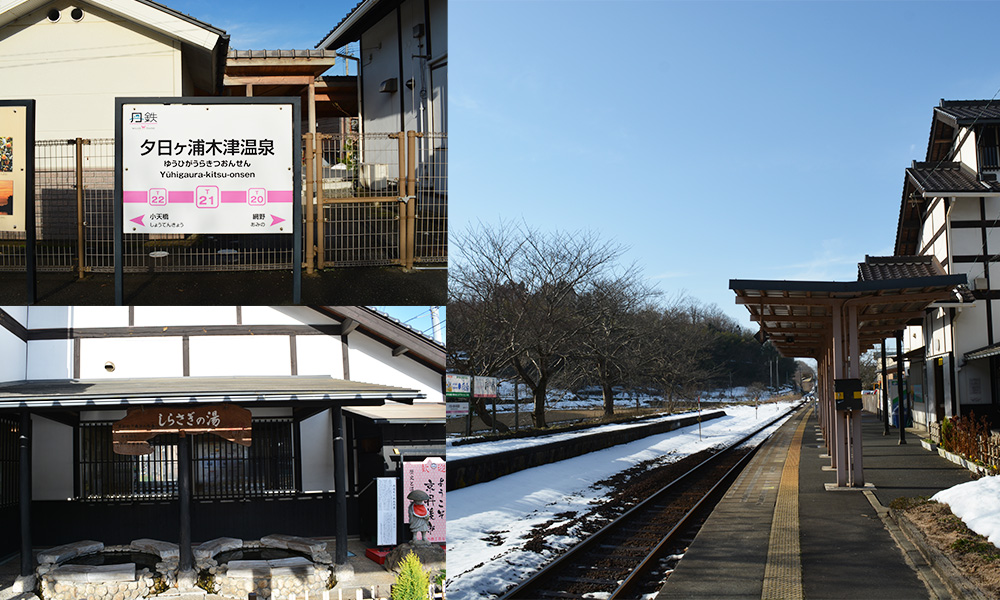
(797, 316)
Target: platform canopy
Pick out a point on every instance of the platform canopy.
(255, 391)
(890, 293)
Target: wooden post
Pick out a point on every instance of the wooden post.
(309, 203)
(320, 207)
(80, 242)
(411, 196)
(401, 164)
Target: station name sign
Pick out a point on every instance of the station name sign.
(207, 168)
(131, 435)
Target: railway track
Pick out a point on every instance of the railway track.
(623, 558)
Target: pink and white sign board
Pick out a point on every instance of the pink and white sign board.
(428, 476)
(207, 168)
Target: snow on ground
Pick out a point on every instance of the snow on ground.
(975, 502)
(486, 522)
(479, 449)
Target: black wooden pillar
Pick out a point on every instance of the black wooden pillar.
(24, 500)
(340, 483)
(184, 493)
(899, 387)
(885, 394)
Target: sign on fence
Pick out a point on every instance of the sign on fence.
(207, 168)
(17, 152)
(456, 409)
(456, 385)
(485, 387)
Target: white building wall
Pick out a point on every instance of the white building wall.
(320, 355)
(967, 152)
(240, 355)
(76, 69)
(131, 357)
(379, 59)
(439, 65)
(50, 359)
(180, 316)
(372, 362)
(966, 241)
(14, 353)
(970, 330)
(51, 459)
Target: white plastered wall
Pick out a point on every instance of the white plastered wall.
(240, 355)
(50, 359)
(379, 59)
(131, 357)
(372, 362)
(76, 69)
(14, 353)
(180, 316)
(320, 355)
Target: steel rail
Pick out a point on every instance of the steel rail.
(522, 590)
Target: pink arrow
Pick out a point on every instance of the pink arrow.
(138, 220)
(276, 220)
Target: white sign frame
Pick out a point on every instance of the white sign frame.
(207, 168)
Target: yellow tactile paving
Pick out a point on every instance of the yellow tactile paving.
(783, 572)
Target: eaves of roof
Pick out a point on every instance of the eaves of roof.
(122, 393)
(967, 112)
(392, 333)
(360, 19)
(949, 179)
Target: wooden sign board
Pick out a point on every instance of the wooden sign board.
(131, 435)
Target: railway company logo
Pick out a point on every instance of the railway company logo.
(142, 120)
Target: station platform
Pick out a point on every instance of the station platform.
(778, 532)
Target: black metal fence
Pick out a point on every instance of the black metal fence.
(357, 181)
(220, 469)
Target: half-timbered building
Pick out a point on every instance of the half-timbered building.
(339, 396)
(950, 210)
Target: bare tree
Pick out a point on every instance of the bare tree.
(615, 343)
(523, 288)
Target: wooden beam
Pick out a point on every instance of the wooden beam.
(268, 80)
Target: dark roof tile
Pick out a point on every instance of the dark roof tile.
(881, 268)
(966, 112)
(948, 177)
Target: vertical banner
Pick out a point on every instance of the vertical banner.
(428, 476)
(386, 511)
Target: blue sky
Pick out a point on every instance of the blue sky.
(417, 317)
(719, 140)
